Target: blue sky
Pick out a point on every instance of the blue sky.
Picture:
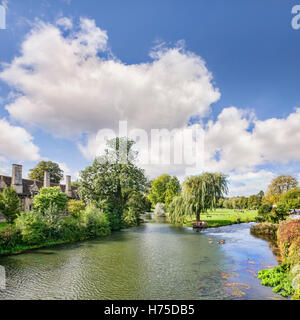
(249, 47)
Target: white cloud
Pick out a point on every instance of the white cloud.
(244, 142)
(16, 143)
(65, 23)
(245, 184)
(68, 89)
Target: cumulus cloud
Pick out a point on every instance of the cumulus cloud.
(242, 142)
(245, 184)
(16, 143)
(71, 84)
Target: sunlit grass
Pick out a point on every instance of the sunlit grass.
(223, 217)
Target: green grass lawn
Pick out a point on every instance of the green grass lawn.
(223, 217)
(3, 225)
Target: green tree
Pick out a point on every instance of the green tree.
(112, 179)
(279, 186)
(9, 204)
(158, 189)
(37, 173)
(200, 193)
(173, 190)
(291, 199)
(48, 198)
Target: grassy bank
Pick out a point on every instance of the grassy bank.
(284, 278)
(224, 217)
(32, 231)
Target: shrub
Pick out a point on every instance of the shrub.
(32, 227)
(75, 208)
(288, 232)
(49, 197)
(264, 209)
(9, 204)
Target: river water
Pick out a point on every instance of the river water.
(154, 261)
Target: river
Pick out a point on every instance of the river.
(153, 261)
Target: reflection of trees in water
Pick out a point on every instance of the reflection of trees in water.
(272, 244)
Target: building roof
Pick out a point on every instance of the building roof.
(34, 185)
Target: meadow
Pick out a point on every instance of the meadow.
(223, 217)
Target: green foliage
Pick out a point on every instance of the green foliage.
(9, 204)
(136, 205)
(112, 179)
(279, 186)
(200, 194)
(49, 197)
(158, 189)
(75, 208)
(264, 209)
(37, 173)
(291, 199)
(173, 190)
(32, 227)
(278, 278)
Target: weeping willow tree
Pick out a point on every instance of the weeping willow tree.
(200, 194)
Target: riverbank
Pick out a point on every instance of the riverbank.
(33, 231)
(225, 217)
(285, 278)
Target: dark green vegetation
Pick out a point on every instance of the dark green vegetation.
(37, 173)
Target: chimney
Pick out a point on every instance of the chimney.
(68, 186)
(16, 178)
(46, 179)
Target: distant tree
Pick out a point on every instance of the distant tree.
(37, 173)
(9, 204)
(48, 198)
(158, 189)
(76, 183)
(279, 186)
(173, 190)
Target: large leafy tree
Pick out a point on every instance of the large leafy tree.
(113, 179)
(158, 189)
(50, 198)
(37, 173)
(278, 187)
(164, 189)
(200, 193)
(9, 204)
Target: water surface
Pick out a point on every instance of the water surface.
(153, 261)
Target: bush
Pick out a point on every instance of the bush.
(75, 208)
(32, 227)
(49, 197)
(264, 209)
(9, 204)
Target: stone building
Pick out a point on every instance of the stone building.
(28, 189)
